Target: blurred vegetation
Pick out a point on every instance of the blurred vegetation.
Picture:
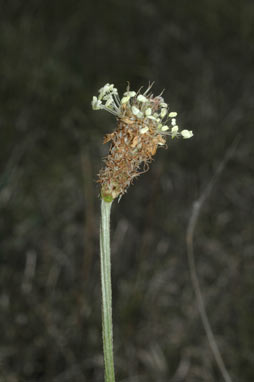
(54, 57)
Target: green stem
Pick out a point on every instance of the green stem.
(107, 326)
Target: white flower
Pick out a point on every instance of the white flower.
(141, 98)
(130, 94)
(109, 102)
(148, 112)
(104, 90)
(151, 112)
(108, 99)
(127, 96)
(174, 131)
(96, 103)
(187, 134)
(163, 112)
(151, 117)
(144, 130)
(125, 99)
(135, 110)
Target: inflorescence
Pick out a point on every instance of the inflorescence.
(143, 123)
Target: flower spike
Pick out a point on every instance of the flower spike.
(143, 121)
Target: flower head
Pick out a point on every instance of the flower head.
(143, 123)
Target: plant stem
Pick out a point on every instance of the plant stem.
(107, 326)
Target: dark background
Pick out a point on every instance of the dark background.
(54, 57)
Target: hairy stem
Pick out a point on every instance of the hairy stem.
(107, 326)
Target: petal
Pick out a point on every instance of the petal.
(187, 134)
(151, 117)
(174, 129)
(96, 103)
(144, 130)
(163, 112)
(130, 94)
(125, 99)
(141, 98)
(135, 110)
(109, 102)
(148, 111)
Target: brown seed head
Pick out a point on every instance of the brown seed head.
(130, 153)
(142, 123)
